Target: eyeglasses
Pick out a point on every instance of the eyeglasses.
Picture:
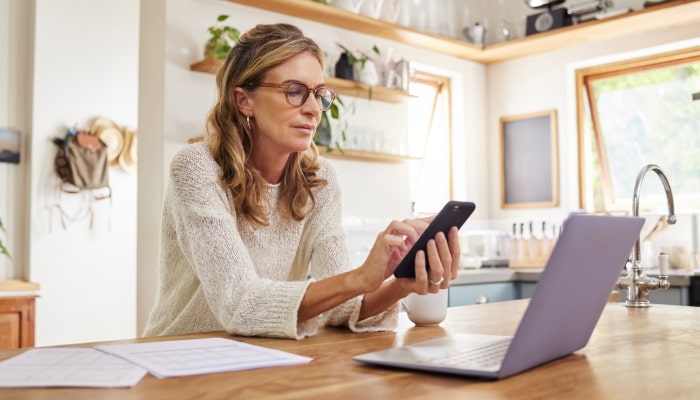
(297, 93)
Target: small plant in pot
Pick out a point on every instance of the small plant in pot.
(323, 136)
(360, 56)
(222, 38)
(358, 66)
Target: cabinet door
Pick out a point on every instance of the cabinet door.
(482, 293)
(526, 289)
(16, 322)
(9, 330)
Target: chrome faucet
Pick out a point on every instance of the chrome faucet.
(637, 283)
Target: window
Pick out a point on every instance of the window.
(430, 140)
(635, 113)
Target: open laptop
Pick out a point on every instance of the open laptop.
(568, 300)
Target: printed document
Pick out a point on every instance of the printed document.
(200, 356)
(68, 367)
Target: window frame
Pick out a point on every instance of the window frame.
(442, 85)
(583, 99)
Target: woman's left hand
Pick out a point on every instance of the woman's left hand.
(443, 255)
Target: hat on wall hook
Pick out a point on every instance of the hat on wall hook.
(127, 157)
(110, 134)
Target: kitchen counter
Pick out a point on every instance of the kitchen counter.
(647, 353)
(14, 288)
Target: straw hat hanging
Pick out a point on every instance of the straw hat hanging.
(127, 157)
(112, 137)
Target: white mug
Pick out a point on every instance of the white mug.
(426, 309)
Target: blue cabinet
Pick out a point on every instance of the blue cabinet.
(677, 296)
(488, 292)
(460, 295)
(526, 289)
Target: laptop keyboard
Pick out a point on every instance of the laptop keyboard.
(488, 356)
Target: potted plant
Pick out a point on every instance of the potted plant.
(222, 38)
(357, 66)
(348, 61)
(323, 135)
(3, 249)
(360, 56)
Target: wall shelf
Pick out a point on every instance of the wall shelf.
(357, 89)
(664, 15)
(361, 155)
(208, 65)
(341, 86)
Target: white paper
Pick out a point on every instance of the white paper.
(68, 367)
(200, 356)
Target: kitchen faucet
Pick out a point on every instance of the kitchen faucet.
(637, 283)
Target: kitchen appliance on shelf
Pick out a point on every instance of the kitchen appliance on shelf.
(484, 249)
(548, 20)
(595, 9)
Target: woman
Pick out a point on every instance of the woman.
(252, 241)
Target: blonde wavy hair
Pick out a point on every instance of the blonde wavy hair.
(230, 137)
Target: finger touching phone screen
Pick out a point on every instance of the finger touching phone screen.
(454, 213)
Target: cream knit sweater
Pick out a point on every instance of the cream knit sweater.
(217, 272)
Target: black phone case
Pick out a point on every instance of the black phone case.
(454, 213)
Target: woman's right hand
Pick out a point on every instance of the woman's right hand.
(388, 250)
(393, 244)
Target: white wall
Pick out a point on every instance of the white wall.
(545, 81)
(85, 65)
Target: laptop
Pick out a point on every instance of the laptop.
(566, 304)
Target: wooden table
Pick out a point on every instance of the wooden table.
(634, 353)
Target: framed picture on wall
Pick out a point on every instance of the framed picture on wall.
(9, 146)
(529, 160)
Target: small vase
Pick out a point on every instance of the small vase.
(343, 69)
(367, 73)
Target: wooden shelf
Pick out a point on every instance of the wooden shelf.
(664, 15)
(359, 155)
(341, 86)
(13, 285)
(648, 19)
(356, 89)
(208, 65)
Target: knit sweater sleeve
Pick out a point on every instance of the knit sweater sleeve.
(330, 257)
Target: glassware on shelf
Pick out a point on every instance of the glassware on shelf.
(391, 10)
(349, 5)
(372, 8)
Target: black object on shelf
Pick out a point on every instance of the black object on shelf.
(547, 21)
(343, 68)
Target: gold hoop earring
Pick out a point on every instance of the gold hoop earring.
(247, 119)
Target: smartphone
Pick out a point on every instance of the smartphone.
(454, 213)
